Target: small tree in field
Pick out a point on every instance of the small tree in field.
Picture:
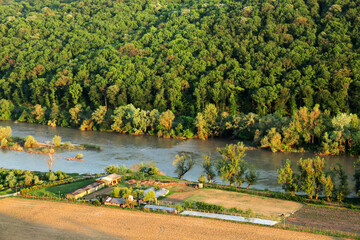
(150, 196)
(231, 167)
(183, 164)
(287, 178)
(208, 167)
(251, 177)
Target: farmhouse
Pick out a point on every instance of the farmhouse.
(111, 179)
(108, 180)
(78, 193)
(120, 202)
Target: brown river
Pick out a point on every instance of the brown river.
(126, 149)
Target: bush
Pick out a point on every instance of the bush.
(179, 208)
(150, 195)
(117, 169)
(202, 178)
(5, 133)
(188, 204)
(115, 193)
(96, 202)
(209, 207)
(56, 141)
(30, 142)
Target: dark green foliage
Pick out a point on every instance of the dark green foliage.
(77, 62)
(357, 177)
(251, 176)
(341, 186)
(11, 178)
(209, 207)
(238, 55)
(149, 168)
(117, 169)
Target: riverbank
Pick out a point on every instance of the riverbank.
(27, 219)
(119, 149)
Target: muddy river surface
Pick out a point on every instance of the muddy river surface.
(127, 150)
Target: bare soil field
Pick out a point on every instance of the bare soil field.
(260, 205)
(333, 220)
(36, 219)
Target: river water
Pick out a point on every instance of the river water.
(127, 150)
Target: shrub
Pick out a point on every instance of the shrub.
(188, 204)
(4, 142)
(117, 169)
(209, 207)
(179, 208)
(51, 176)
(115, 193)
(150, 195)
(5, 132)
(202, 178)
(56, 141)
(68, 145)
(30, 142)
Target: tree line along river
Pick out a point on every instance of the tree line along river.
(126, 149)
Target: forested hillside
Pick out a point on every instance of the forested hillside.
(262, 56)
(282, 74)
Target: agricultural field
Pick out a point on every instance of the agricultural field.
(27, 219)
(260, 205)
(333, 220)
(62, 189)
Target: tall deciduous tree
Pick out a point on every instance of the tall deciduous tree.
(183, 163)
(287, 178)
(208, 167)
(231, 167)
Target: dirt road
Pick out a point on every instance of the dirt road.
(35, 219)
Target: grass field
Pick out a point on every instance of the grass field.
(260, 205)
(7, 191)
(63, 189)
(326, 219)
(34, 219)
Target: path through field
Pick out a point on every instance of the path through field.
(35, 219)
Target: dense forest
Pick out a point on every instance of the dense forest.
(190, 67)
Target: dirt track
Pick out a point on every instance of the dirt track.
(34, 219)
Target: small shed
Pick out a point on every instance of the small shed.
(111, 179)
(114, 201)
